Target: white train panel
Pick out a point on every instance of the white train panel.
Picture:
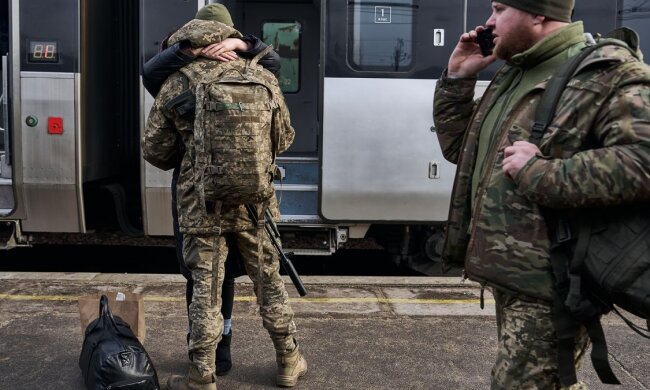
(380, 159)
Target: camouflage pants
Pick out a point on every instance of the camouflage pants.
(527, 352)
(205, 257)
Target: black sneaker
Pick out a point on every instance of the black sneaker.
(223, 360)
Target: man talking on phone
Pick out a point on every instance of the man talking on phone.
(595, 153)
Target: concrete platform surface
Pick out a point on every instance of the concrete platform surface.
(357, 333)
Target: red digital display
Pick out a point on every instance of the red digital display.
(43, 51)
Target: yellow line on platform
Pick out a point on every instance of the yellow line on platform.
(13, 297)
(419, 301)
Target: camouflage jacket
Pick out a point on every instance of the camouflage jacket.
(167, 134)
(596, 152)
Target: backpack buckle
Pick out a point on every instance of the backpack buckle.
(563, 231)
(537, 131)
(574, 297)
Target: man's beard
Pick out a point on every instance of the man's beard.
(515, 42)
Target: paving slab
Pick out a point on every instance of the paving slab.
(374, 333)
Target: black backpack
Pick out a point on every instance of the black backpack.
(112, 357)
(600, 258)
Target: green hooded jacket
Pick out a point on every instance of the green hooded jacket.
(596, 152)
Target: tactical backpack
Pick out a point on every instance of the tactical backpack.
(600, 257)
(112, 357)
(234, 160)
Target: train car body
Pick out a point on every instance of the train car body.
(358, 77)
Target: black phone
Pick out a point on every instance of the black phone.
(485, 41)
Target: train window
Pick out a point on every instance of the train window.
(635, 15)
(380, 34)
(285, 38)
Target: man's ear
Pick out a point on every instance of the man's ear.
(538, 19)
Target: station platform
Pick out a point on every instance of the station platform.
(356, 333)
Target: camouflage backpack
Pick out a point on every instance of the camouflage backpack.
(600, 257)
(234, 160)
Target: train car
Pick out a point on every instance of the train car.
(358, 77)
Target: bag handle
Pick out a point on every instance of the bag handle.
(105, 311)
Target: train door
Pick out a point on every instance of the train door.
(76, 114)
(6, 182)
(381, 160)
(293, 28)
(158, 19)
(43, 87)
(75, 109)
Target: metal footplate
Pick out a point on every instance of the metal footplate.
(11, 235)
(309, 236)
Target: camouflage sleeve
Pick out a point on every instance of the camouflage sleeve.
(283, 132)
(453, 106)
(616, 173)
(162, 65)
(161, 142)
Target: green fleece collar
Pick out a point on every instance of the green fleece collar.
(550, 46)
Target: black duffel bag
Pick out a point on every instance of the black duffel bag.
(112, 357)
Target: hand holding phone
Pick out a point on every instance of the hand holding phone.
(485, 40)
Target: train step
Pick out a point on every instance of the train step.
(6, 196)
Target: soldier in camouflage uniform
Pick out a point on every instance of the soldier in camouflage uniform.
(154, 73)
(208, 237)
(595, 153)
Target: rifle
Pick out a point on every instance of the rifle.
(274, 234)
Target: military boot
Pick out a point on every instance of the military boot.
(291, 366)
(192, 381)
(224, 361)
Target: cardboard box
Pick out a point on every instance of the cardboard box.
(128, 306)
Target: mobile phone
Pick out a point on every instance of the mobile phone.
(485, 41)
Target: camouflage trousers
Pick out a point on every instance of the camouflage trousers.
(527, 352)
(205, 257)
